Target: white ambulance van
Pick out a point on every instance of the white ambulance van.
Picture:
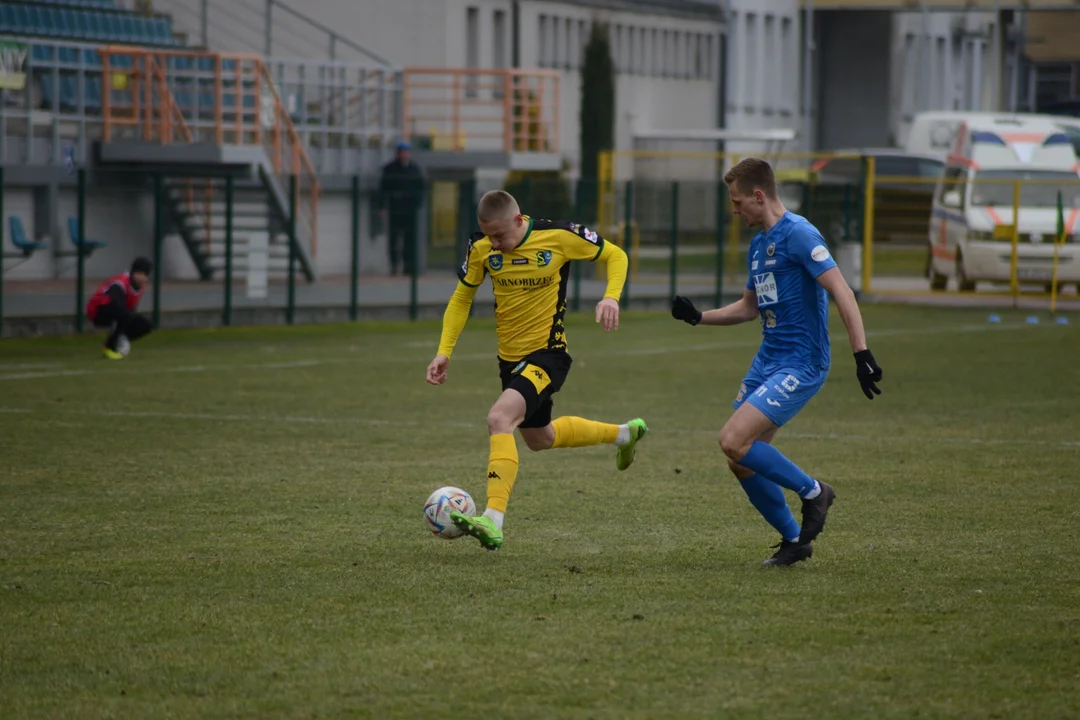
(971, 216)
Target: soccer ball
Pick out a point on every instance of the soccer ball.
(438, 507)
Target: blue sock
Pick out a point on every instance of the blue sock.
(768, 499)
(766, 460)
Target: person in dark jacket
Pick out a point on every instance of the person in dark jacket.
(401, 192)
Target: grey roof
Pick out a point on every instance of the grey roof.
(700, 9)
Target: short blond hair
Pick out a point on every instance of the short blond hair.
(496, 205)
(753, 174)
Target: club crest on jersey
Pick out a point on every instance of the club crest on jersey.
(495, 262)
(765, 287)
(771, 250)
(543, 258)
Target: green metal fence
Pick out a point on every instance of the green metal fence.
(680, 236)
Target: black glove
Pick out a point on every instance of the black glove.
(683, 309)
(868, 372)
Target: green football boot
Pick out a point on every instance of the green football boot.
(625, 457)
(482, 528)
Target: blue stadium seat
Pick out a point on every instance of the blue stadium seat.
(41, 53)
(93, 92)
(92, 20)
(81, 3)
(77, 238)
(21, 240)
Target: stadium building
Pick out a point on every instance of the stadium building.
(191, 91)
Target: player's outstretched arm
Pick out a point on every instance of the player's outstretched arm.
(607, 310)
(740, 311)
(454, 319)
(866, 368)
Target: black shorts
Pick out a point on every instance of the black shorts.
(537, 377)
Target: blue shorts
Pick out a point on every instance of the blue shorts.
(781, 394)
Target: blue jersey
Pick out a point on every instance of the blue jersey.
(784, 264)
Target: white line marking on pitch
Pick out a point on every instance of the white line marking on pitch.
(488, 356)
(380, 422)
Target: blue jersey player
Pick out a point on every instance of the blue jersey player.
(790, 270)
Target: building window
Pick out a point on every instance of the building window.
(772, 59)
(583, 40)
(472, 48)
(555, 53)
(499, 47)
(617, 49)
(788, 87)
(568, 42)
(753, 66)
(500, 39)
(654, 51)
(709, 57)
(664, 53)
(542, 57)
(678, 54)
(642, 61)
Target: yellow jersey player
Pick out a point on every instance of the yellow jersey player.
(529, 263)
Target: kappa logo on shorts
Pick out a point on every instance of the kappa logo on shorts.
(765, 287)
(537, 376)
(495, 262)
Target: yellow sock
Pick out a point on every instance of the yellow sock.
(502, 471)
(579, 432)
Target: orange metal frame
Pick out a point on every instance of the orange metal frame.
(523, 104)
(141, 90)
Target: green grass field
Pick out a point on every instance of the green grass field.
(228, 524)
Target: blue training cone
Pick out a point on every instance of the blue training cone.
(1061, 320)
(1032, 320)
(994, 319)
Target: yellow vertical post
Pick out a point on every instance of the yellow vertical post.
(1014, 280)
(1059, 237)
(604, 220)
(636, 235)
(1054, 275)
(868, 224)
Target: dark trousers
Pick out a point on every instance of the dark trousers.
(402, 240)
(126, 323)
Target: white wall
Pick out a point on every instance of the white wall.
(676, 89)
(936, 68)
(679, 91)
(765, 69)
(408, 32)
(125, 220)
(120, 218)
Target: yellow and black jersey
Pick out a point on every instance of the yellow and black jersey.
(530, 284)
